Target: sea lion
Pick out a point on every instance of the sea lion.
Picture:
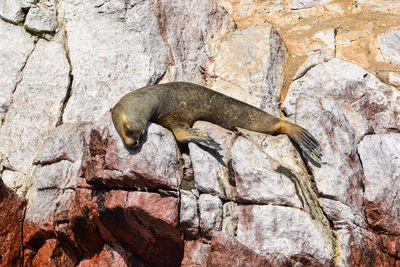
(176, 106)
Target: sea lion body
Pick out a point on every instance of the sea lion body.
(176, 106)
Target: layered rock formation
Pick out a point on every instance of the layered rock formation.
(72, 195)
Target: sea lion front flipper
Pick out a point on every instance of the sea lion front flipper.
(184, 134)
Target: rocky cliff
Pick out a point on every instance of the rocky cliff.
(72, 195)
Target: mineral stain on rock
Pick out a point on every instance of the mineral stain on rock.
(72, 195)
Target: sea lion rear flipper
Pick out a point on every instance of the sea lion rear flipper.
(184, 134)
(307, 143)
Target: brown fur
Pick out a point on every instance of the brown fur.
(178, 105)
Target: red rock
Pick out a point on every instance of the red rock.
(146, 223)
(227, 251)
(82, 224)
(12, 211)
(196, 253)
(51, 254)
(112, 256)
(108, 163)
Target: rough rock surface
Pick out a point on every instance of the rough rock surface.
(86, 200)
(12, 211)
(211, 170)
(35, 107)
(15, 48)
(11, 11)
(387, 43)
(253, 59)
(39, 19)
(107, 163)
(380, 156)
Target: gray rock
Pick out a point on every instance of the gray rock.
(349, 85)
(269, 228)
(380, 156)
(122, 50)
(189, 217)
(10, 10)
(36, 106)
(40, 20)
(303, 4)
(56, 176)
(15, 47)
(191, 30)
(63, 143)
(256, 180)
(130, 46)
(338, 102)
(211, 172)
(210, 208)
(26, 4)
(279, 148)
(154, 164)
(394, 78)
(340, 175)
(252, 58)
(342, 215)
(230, 220)
(389, 46)
(313, 60)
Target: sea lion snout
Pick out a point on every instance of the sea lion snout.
(129, 131)
(130, 142)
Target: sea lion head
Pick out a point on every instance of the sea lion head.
(130, 129)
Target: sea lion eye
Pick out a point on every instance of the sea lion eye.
(129, 130)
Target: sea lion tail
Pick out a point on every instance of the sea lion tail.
(310, 147)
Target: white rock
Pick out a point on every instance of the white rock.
(350, 85)
(313, 60)
(36, 106)
(252, 58)
(210, 208)
(339, 102)
(55, 177)
(10, 10)
(342, 215)
(63, 143)
(380, 155)
(211, 173)
(340, 174)
(394, 78)
(256, 178)
(324, 41)
(279, 148)
(40, 20)
(189, 217)
(26, 4)
(235, 91)
(190, 31)
(15, 47)
(153, 164)
(122, 50)
(287, 230)
(389, 46)
(230, 220)
(303, 4)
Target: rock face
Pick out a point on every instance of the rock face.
(390, 51)
(12, 211)
(39, 20)
(71, 194)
